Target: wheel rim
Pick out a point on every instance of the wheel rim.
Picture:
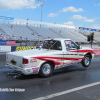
(46, 69)
(87, 61)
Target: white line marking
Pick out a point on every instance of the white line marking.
(67, 91)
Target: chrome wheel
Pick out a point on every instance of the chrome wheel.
(46, 69)
(87, 61)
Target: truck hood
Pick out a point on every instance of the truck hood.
(86, 48)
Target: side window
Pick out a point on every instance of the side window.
(57, 46)
(73, 44)
(70, 45)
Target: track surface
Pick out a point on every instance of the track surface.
(63, 80)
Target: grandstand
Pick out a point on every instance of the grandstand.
(27, 32)
(96, 35)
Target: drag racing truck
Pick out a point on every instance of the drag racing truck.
(54, 54)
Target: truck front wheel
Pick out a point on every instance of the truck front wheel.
(86, 61)
(46, 70)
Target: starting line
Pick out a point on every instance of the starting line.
(67, 91)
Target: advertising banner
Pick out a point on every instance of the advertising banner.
(7, 42)
(2, 42)
(89, 29)
(97, 51)
(20, 48)
(10, 42)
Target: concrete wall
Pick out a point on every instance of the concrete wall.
(5, 48)
(3, 57)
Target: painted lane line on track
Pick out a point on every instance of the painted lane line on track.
(67, 91)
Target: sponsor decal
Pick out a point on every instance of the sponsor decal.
(68, 42)
(25, 65)
(33, 60)
(61, 60)
(61, 67)
(13, 62)
(35, 69)
(68, 63)
(57, 67)
(57, 60)
(33, 66)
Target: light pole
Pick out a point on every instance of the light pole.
(27, 21)
(41, 4)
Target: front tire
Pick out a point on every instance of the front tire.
(86, 61)
(46, 70)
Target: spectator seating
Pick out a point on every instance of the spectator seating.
(22, 32)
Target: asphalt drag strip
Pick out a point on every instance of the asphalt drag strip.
(71, 83)
(66, 92)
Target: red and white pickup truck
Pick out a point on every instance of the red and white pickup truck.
(55, 53)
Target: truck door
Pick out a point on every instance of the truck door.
(71, 54)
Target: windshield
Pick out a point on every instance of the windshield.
(70, 45)
(52, 44)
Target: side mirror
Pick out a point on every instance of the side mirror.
(78, 47)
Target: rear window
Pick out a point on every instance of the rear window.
(52, 44)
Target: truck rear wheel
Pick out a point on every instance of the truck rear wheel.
(46, 70)
(86, 61)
